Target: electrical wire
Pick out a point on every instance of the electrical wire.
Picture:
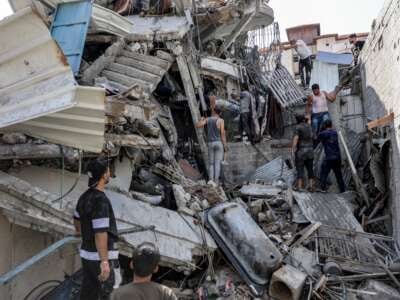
(27, 297)
(75, 183)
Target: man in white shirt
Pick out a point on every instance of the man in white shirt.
(305, 62)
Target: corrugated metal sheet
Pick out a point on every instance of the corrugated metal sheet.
(81, 126)
(326, 75)
(106, 20)
(34, 76)
(335, 58)
(329, 209)
(69, 29)
(274, 170)
(38, 90)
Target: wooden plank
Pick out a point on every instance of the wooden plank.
(386, 120)
(356, 178)
(191, 97)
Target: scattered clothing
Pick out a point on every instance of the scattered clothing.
(95, 213)
(143, 291)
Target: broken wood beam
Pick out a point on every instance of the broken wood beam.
(386, 120)
(360, 277)
(191, 97)
(355, 176)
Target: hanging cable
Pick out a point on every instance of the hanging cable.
(76, 180)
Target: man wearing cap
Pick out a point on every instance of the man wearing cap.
(94, 220)
(145, 261)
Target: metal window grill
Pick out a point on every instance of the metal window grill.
(360, 249)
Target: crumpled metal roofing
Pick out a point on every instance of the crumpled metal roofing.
(38, 92)
(274, 170)
(335, 58)
(329, 209)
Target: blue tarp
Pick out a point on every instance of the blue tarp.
(69, 29)
(335, 58)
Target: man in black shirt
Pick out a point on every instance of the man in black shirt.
(94, 220)
(303, 152)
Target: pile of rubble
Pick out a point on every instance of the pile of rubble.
(128, 80)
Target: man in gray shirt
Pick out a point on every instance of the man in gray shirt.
(144, 262)
(245, 114)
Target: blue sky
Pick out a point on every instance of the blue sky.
(335, 16)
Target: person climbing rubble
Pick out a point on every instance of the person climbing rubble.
(216, 138)
(303, 152)
(145, 260)
(333, 161)
(305, 61)
(317, 107)
(357, 46)
(94, 220)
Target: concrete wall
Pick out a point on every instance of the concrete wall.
(17, 245)
(331, 44)
(380, 65)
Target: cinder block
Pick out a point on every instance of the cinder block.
(287, 283)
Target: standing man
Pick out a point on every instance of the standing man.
(357, 47)
(317, 106)
(305, 62)
(216, 139)
(303, 152)
(245, 114)
(333, 161)
(94, 220)
(145, 261)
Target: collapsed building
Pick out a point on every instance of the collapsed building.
(129, 80)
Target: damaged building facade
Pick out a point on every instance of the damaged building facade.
(128, 80)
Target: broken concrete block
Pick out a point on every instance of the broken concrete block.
(181, 197)
(256, 206)
(146, 128)
(259, 190)
(306, 258)
(14, 138)
(287, 283)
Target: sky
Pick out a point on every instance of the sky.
(335, 16)
(5, 9)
